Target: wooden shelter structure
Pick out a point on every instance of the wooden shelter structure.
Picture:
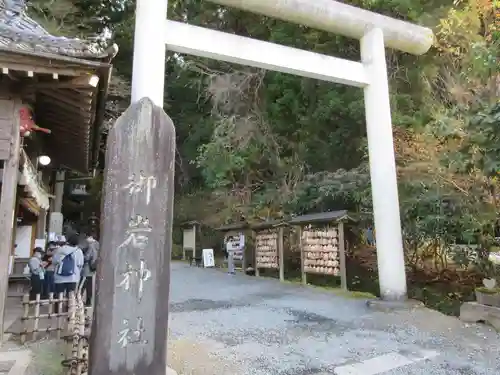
(52, 99)
(190, 231)
(322, 244)
(269, 246)
(237, 234)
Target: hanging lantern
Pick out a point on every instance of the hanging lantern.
(93, 219)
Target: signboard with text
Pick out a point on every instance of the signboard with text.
(208, 258)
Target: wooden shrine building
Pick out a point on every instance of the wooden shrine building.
(52, 99)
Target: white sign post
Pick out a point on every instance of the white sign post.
(375, 33)
(208, 258)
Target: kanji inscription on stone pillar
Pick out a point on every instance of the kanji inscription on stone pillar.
(129, 332)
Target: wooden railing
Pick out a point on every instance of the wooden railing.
(68, 318)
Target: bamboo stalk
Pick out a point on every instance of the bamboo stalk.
(92, 304)
(50, 312)
(45, 302)
(48, 329)
(71, 313)
(59, 310)
(45, 316)
(80, 334)
(73, 331)
(37, 316)
(26, 305)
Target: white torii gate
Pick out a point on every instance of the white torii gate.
(154, 34)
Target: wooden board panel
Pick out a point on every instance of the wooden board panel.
(4, 149)
(7, 209)
(6, 113)
(5, 128)
(6, 122)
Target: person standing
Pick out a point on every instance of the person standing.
(49, 286)
(68, 264)
(230, 256)
(90, 254)
(36, 267)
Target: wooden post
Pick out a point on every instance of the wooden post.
(7, 209)
(92, 302)
(244, 252)
(50, 311)
(302, 258)
(342, 263)
(255, 255)
(129, 331)
(60, 305)
(36, 320)
(195, 242)
(281, 252)
(80, 333)
(24, 319)
(41, 224)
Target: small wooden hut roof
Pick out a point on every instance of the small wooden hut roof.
(322, 217)
(64, 80)
(235, 226)
(268, 224)
(189, 224)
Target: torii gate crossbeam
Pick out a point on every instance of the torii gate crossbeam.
(154, 34)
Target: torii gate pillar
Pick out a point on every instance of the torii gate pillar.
(148, 69)
(390, 256)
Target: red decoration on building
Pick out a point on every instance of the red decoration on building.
(27, 125)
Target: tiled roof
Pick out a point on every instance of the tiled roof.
(320, 217)
(19, 32)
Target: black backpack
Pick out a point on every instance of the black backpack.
(93, 264)
(67, 266)
(91, 258)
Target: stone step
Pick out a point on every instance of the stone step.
(473, 312)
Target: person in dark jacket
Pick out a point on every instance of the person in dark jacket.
(90, 248)
(36, 267)
(49, 285)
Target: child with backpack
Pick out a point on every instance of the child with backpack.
(68, 263)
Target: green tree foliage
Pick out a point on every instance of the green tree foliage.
(258, 144)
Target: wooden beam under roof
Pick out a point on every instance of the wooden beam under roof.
(48, 63)
(66, 124)
(81, 104)
(64, 116)
(85, 81)
(62, 112)
(46, 69)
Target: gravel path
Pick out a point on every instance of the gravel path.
(240, 325)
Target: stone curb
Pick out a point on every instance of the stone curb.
(388, 306)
